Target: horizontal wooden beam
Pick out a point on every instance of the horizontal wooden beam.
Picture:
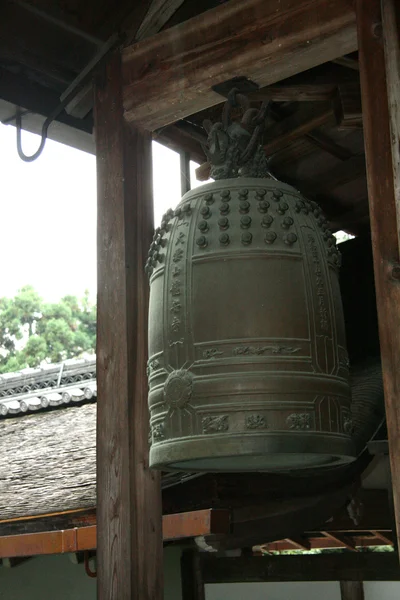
(317, 92)
(179, 526)
(169, 76)
(364, 566)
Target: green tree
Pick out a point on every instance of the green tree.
(33, 331)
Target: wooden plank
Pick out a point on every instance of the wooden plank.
(299, 543)
(391, 39)
(348, 106)
(195, 524)
(352, 590)
(169, 76)
(306, 92)
(48, 542)
(383, 219)
(158, 14)
(191, 576)
(174, 527)
(344, 540)
(347, 61)
(128, 493)
(364, 566)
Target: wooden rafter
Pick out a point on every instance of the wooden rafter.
(339, 540)
(270, 43)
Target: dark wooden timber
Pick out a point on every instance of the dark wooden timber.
(129, 538)
(366, 566)
(348, 106)
(191, 576)
(391, 38)
(352, 590)
(383, 217)
(185, 171)
(170, 75)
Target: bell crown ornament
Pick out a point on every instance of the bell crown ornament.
(248, 368)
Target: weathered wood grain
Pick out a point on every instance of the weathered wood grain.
(383, 218)
(191, 576)
(128, 493)
(391, 38)
(169, 76)
(48, 462)
(352, 590)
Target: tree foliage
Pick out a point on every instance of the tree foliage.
(33, 331)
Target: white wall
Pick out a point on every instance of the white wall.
(275, 591)
(382, 590)
(330, 590)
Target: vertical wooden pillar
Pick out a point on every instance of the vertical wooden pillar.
(129, 530)
(352, 590)
(192, 576)
(383, 216)
(185, 171)
(391, 40)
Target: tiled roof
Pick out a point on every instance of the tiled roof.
(56, 385)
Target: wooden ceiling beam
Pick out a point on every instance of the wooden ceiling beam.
(318, 92)
(169, 76)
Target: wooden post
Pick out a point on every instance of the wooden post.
(185, 171)
(192, 577)
(129, 538)
(391, 39)
(381, 186)
(352, 590)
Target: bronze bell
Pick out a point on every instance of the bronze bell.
(248, 368)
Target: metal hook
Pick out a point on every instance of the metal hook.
(45, 126)
(85, 76)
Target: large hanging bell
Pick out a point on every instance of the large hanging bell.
(248, 368)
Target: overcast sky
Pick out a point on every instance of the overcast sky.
(48, 214)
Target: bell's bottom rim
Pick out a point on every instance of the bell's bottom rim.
(199, 454)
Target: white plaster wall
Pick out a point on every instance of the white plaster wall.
(275, 591)
(382, 590)
(373, 590)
